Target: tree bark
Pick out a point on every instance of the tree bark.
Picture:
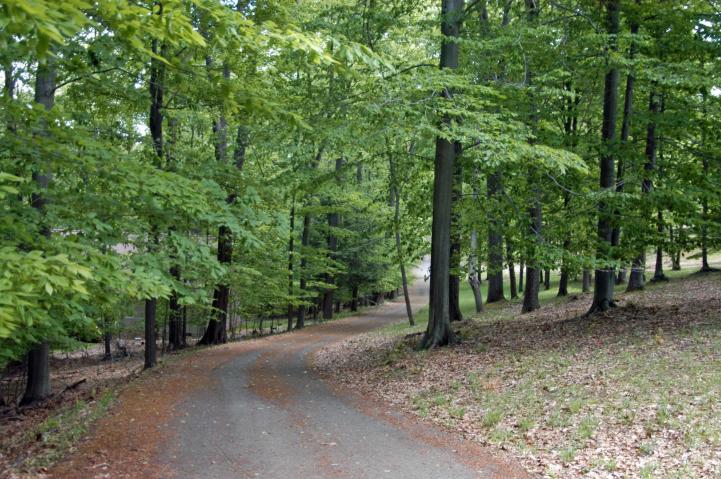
(658, 274)
(495, 243)
(521, 267)
(604, 274)
(586, 282)
(474, 270)
(454, 280)
(511, 269)
(304, 242)
(333, 221)
(175, 330)
(395, 193)
(625, 134)
(291, 241)
(37, 386)
(533, 273)
(439, 331)
(636, 280)
(216, 331)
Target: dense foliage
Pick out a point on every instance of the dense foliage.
(271, 151)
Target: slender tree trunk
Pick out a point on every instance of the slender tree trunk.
(547, 279)
(333, 221)
(636, 280)
(604, 275)
(511, 269)
(107, 340)
(354, 299)
(658, 274)
(395, 193)
(705, 266)
(291, 252)
(474, 270)
(216, 331)
(454, 280)
(37, 386)
(533, 273)
(175, 339)
(304, 242)
(521, 268)
(151, 357)
(625, 134)
(439, 331)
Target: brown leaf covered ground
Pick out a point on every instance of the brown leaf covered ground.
(634, 392)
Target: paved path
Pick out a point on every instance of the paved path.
(267, 415)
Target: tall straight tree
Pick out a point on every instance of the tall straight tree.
(454, 280)
(155, 124)
(216, 330)
(533, 269)
(625, 135)
(37, 386)
(495, 241)
(604, 277)
(439, 331)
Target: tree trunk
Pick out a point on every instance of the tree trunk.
(107, 340)
(521, 267)
(511, 269)
(636, 280)
(658, 274)
(495, 242)
(395, 193)
(38, 379)
(304, 242)
(439, 331)
(586, 286)
(333, 220)
(291, 241)
(547, 279)
(604, 275)
(216, 331)
(151, 306)
(533, 273)
(474, 270)
(354, 299)
(37, 386)
(625, 134)
(454, 280)
(175, 339)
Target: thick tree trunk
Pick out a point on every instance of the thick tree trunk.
(38, 379)
(495, 242)
(604, 275)
(37, 386)
(439, 331)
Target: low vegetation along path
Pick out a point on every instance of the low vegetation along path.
(263, 413)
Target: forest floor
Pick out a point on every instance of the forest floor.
(633, 392)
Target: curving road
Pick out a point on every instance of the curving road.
(266, 415)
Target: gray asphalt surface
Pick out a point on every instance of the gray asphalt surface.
(267, 415)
